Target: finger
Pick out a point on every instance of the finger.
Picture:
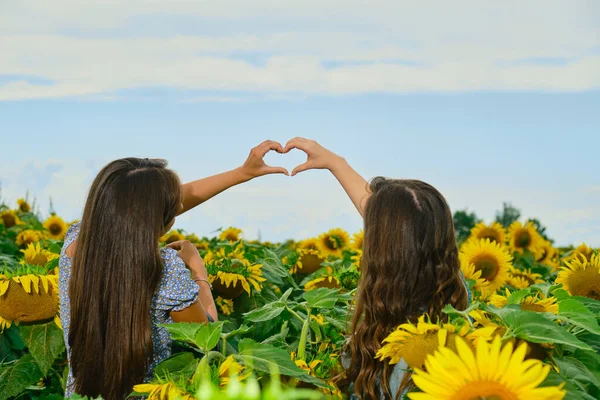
(269, 145)
(178, 245)
(175, 245)
(296, 143)
(301, 167)
(276, 170)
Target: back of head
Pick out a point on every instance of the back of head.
(410, 267)
(116, 270)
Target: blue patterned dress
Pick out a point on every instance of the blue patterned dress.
(176, 291)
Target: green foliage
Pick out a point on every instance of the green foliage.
(464, 221)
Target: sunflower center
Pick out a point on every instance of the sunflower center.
(484, 390)
(489, 234)
(533, 307)
(55, 229)
(232, 237)
(585, 283)
(418, 347)
(488, 265)
(523, 239)
(331, 243)
(9, 220)
(38, 259)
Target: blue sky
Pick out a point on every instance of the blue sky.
(505, 110)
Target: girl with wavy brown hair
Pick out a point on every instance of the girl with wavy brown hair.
(409, 267)
(116, 285)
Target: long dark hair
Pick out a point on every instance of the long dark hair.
(410, 267)
(116, 270)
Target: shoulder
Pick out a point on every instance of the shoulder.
(70, 236)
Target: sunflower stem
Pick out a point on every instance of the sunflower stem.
(294, 313)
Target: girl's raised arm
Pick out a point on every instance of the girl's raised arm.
(321, 158)
(199, 191)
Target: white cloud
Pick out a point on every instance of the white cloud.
(400, 46)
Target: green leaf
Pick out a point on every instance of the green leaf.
(575, 370)
(324, 297)
(591, 304)
(538, 328)
(272, 268)
(183, 331)
(573, 389)
(45, 342)
(179, 365)
(15, 378)
(591, 339)
(242, 330)
(516, 297)
(574, 312)
(278, 338)
(264, 357)
(266, 313)
(545, 288)
(208, 335)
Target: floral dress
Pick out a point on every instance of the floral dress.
(176, 291)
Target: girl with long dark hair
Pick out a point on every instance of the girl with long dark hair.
(116, 285)
(409, 266)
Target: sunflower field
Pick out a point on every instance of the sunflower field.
(531, 331)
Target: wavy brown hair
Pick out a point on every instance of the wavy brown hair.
(116, 270)
(409, 267)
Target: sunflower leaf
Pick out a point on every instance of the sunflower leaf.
(45, 343)
(574, 312)
(208, 336)
(15, 378)
(183, 331)
(266, 313)
(516, 297)
(180, 365)
(324, 297)
(264, 357)
(538, 328)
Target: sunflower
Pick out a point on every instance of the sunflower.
(56, 227)
(414, 342)
(521, 279)
(29, 236)
(225, 305)
(332, 243)
(231, 273)
(357, 258)
(162, 391)
(537, 302)
(10, 218)
(231, 234)
(35, 255)
(309, 261)
(581, 277)
(548, 256)
(172, 236)
(485, 262)
(28, 298)
(349, 278)
(329, 281)
(357, 240)
(490, 372)
(583, 250)
(495, 232)
(228, 368)
(310, 244)
(524, 238)
(23, 205)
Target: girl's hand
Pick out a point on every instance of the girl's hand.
(255, 165)
(318, 156)
(190, 256)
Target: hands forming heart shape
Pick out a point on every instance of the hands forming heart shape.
(318, 157)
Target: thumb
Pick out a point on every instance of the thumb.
(301, 167)
(276, 170)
